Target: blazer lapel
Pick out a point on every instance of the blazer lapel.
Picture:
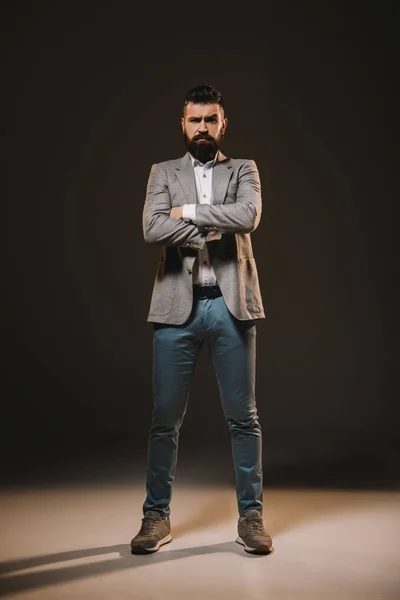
(221, 176)
(185, 176)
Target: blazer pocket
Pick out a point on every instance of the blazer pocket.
(249, 284)
(163, 296)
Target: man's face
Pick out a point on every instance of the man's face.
(203, 127)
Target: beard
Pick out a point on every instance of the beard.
(203, 151)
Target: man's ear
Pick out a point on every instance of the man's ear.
(183, 124)
(225, 124)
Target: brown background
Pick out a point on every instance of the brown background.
(91, 99)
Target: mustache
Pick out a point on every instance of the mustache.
(204, 136)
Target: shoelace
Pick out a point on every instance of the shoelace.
(256, 526)
(148, 525)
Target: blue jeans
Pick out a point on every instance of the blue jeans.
(232, 346)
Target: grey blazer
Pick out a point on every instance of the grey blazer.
(236, 211)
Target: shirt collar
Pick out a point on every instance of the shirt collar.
(208, 164)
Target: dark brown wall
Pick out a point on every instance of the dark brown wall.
(91, 98)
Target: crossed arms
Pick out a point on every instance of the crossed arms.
(165, 225)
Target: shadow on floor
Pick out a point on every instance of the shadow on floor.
(12, 581)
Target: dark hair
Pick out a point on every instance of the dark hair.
(204, 94)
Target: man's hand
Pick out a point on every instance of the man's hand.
(176, 212)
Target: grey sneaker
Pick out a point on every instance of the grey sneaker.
(154, 532)
(252, 534)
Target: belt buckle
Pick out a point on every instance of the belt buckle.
(204, 292)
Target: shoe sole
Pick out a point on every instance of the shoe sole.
(262, 549)
(138, 549)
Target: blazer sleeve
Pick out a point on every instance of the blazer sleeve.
(158, 226)
(241, 216)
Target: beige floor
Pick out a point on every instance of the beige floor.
(65, 542)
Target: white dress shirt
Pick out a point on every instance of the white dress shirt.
(203, 272)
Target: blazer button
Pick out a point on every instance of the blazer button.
(190, 270)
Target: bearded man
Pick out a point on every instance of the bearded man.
(201, 209)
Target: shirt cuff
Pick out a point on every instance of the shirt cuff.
(189, 212)
(213, 235)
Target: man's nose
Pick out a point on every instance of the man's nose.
(203, 126)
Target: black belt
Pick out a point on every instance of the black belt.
(201, 292)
